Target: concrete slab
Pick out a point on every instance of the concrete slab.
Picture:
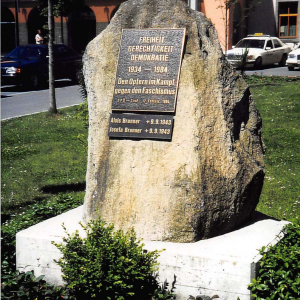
(34, 250)
(222, 266)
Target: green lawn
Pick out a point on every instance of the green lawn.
(44, 166)
(279, 106)
(41, 158)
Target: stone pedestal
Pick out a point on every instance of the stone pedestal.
(222, 266)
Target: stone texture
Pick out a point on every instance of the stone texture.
(208, 179)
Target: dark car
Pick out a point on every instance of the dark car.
(28, 65)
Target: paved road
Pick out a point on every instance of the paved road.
(275, 71)
(16, 102)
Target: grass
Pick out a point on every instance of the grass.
(42, 157)
(279, 105)
(44, 164)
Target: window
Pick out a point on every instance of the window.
(269, 44)
(277, 43)
(18, 52)
(36, 53)
(288, 19)
(247, 43)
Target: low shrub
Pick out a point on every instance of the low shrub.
(163, 292)
(279, 274)
(32, 215)
(257, 79)
(26, 286)
(21, 285)
(107, 264)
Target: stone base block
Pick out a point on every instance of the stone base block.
(222, 266)
(35, 251)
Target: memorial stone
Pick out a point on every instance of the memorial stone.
(202, 178)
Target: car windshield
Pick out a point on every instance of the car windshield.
(255, 43)
(16, 53)
(27, 52)
(36, 52)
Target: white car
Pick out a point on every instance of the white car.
(262, 50)
(293, 60)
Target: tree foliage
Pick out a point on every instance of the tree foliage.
(60, 7)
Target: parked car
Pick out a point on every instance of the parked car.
(28, 65)
(262, 50)
(293, 60)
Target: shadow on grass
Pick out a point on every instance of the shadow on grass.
(63, 188)
(15, 208)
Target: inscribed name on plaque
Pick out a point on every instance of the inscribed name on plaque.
(148, 70)
(141, 126)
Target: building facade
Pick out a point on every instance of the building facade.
(76, 29)
(278, 18)
(20, 20)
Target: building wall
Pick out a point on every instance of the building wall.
(103, 15)
(103, 10)
(60, 30)
(216, 12)
(264, 19)
(286, 40)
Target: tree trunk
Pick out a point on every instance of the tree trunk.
(52, 108)
(17, 23)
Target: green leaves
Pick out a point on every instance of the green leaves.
(279, 275)
(23, 285)
(34, 214)
(107, 264)
(260, 79)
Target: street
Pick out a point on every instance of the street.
(16, 102)
(274, 70)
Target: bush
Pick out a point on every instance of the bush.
(163, 293)
(279, 274)
(32, 215)
(107, 264)
(256, 79)
(26, 286)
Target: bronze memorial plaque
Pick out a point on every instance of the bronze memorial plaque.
(148, 70)
(141, 126)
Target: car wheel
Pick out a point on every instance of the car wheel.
(291, 68)
(258, 63)
(283, 60)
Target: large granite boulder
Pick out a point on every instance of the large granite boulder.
(208, 179)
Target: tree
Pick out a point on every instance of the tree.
(227, 5)
(52, 107)
(53, 8)
(60, 7)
